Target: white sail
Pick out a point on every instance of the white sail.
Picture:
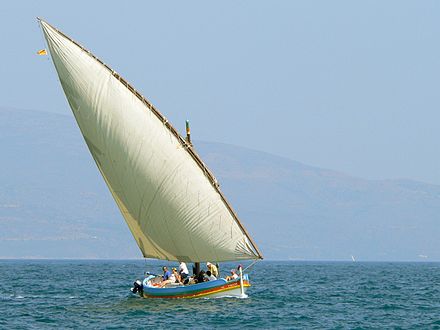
(167, 196)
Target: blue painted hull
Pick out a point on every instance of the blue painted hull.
(217, 288)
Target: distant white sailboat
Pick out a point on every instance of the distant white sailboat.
(352, 258)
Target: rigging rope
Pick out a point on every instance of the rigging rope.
(252, 264)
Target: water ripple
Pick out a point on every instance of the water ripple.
(94, 294)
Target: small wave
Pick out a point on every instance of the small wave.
(13, 296)
(245, 296)
(63, 296)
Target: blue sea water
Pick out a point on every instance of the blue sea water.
(36, 294)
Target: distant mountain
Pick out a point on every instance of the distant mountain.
(54, 203)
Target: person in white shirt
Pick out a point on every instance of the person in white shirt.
(233, 276)
(183, 270)
(176, 276)
(210, 276)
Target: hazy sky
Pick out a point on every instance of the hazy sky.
(346, 85)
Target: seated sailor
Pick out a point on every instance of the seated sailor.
(177, 276)
(167, 277)
(190, 280)
(201, 277)
(210, 276)
(233, 275)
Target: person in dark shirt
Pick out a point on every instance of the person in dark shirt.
(201, 277)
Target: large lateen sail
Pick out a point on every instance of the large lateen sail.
(169, 199)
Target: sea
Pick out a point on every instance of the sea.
(54, 294)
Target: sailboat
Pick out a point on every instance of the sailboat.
(170, 200)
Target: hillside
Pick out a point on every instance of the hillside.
(54, 204)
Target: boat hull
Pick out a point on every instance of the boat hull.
(211, 289)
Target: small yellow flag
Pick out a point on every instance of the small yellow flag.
(42, 52)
